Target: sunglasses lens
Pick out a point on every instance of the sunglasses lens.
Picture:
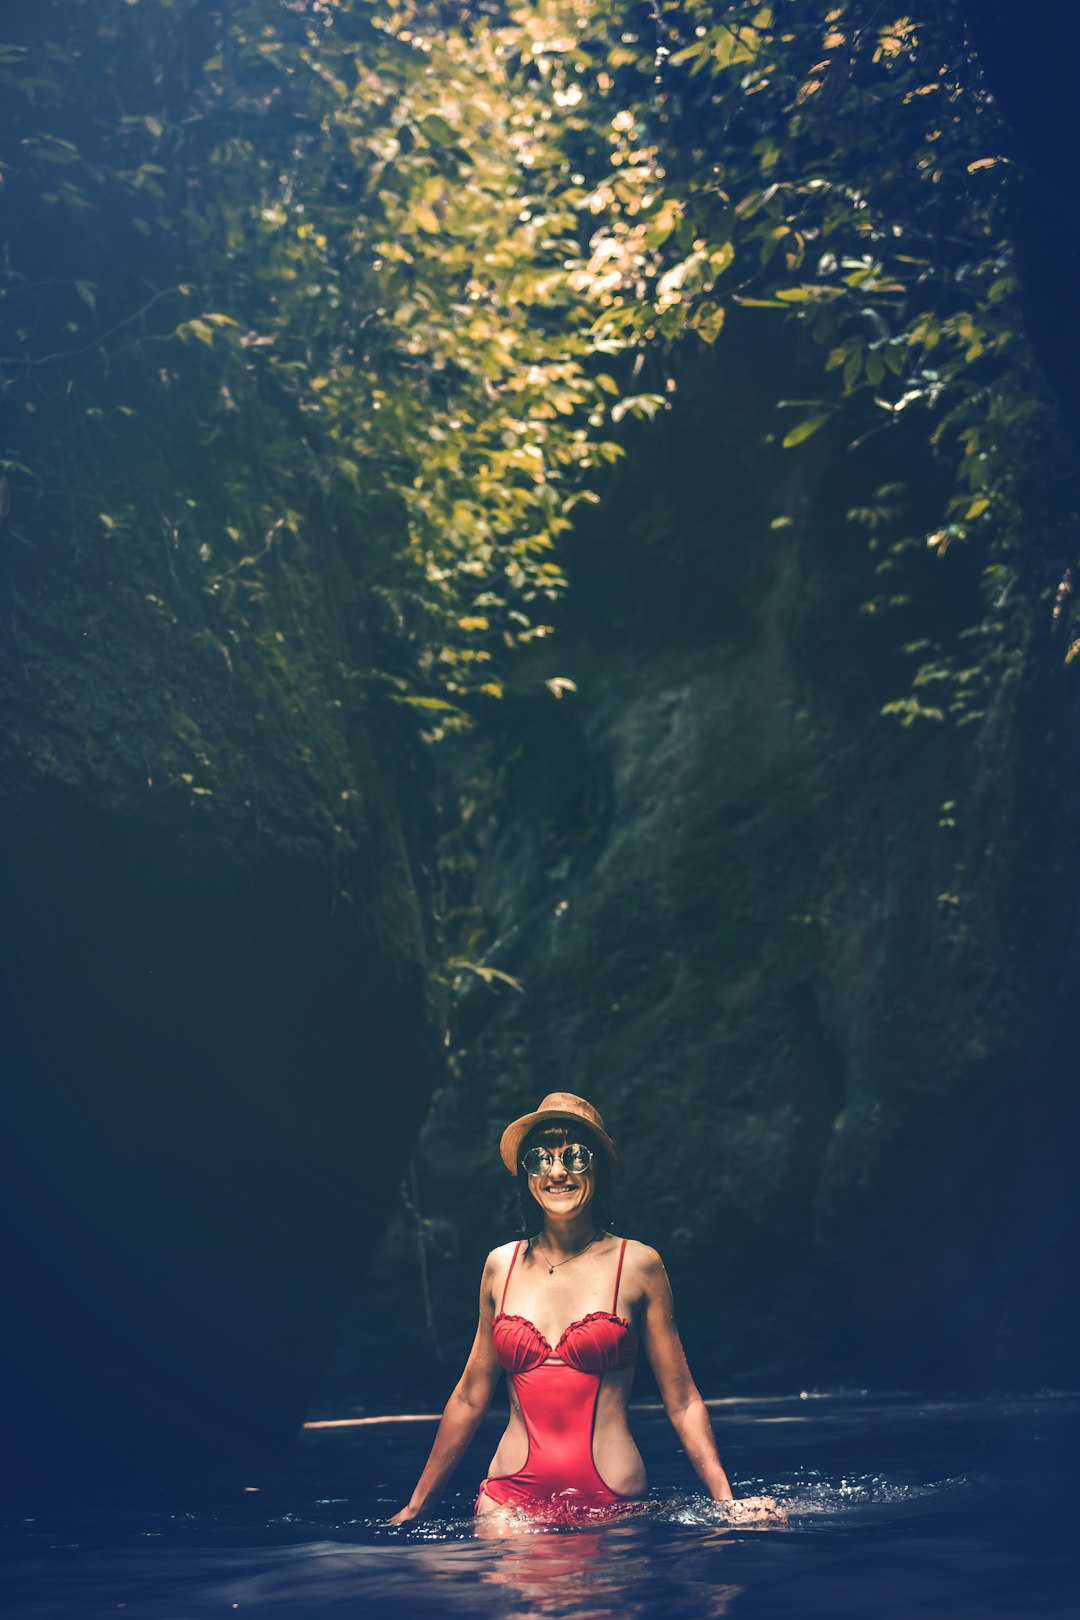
(576, 1159)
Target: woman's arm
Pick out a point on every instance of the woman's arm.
(462, 1413)
(683, 1404)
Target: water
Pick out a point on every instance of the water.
(898, 1508)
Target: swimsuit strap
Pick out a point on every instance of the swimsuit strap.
(618, 1274)
(506, 1284)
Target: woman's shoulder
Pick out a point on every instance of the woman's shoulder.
(496, 1273)
(640, 1256)
(642, 1259)
(500, 1257)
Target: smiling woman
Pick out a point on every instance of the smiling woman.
(567, 1351)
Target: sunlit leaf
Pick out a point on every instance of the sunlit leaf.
(804, 430)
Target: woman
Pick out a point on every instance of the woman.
(550, 1319)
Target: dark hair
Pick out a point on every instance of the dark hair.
(552, 1135)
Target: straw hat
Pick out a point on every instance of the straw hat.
(557, 1105)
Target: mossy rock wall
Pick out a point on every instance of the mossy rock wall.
(814, 967)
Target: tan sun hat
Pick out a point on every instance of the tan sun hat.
(557, 1105)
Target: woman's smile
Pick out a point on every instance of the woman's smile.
(564, 1184)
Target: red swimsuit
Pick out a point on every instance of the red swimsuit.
(558, 1402)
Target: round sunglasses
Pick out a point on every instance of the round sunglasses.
(574, 1159)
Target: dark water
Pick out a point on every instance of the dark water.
(898, 1508)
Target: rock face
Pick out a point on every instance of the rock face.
(813, 967)
(219, 1039)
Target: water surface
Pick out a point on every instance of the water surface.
(897, 1508)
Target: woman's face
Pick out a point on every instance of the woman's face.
(559, 1191)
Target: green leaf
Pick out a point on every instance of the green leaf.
(645, 405)
(437, 130)
(732, 45)
(708, 322)
(417, 702)
(804, 430)
(53, 148)
(698, 53)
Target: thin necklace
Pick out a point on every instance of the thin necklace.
(554, 1265)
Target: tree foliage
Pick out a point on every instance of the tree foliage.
(843, 168)
(319, 317)
(295, 363)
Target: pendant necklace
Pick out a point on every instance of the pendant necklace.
(554, 1265)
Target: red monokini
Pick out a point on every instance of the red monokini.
(558, 1402)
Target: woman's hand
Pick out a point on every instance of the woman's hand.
(407, 1515)
(746, 1509)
